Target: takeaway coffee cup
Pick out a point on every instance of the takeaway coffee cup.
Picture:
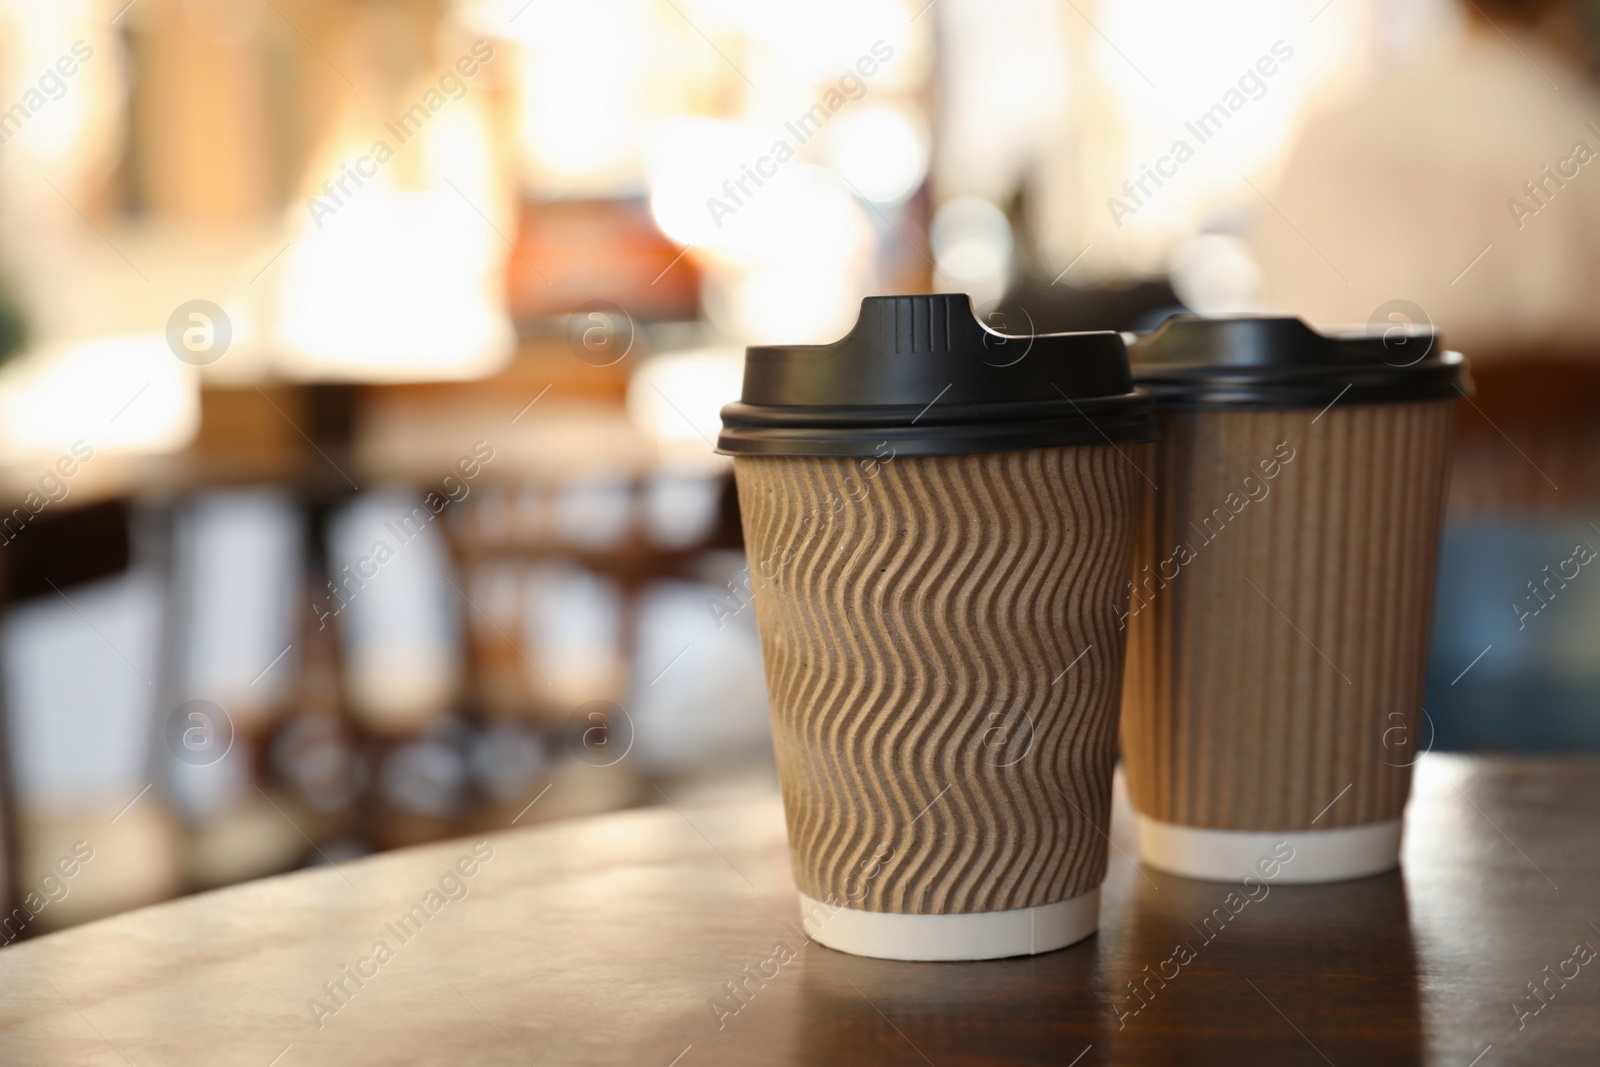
(1281, 593)
(939, 523)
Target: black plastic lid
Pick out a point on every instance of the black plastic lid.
(924, 376)
(1257, 361)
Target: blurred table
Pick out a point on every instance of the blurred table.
(608, 940)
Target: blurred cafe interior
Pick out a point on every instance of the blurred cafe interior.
(362, 360)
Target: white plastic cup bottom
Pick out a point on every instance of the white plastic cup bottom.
(983, 935)
(1228, 855)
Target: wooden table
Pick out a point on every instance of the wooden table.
(609, 940)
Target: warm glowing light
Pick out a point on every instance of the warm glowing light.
(62, 83)
(115, 394)
(677, 399)
(578, 107)
(880, 152)
(706, 193)
(400, 282)
(795, 303)
(1211, 100)
(821, 36)
(688, 161)
(972, 247)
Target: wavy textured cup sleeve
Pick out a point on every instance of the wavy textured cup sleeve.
(944, 661)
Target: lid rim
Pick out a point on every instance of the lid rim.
(1196, 361)
(740, 413)
(1268, 402)
(915, 441)
(926, 375)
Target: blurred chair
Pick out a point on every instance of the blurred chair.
(81, 648)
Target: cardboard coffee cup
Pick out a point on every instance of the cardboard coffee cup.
(1282, 591)
(938, 521)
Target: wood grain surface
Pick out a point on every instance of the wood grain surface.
(662, 937)
(943, 663)
(1278, 628)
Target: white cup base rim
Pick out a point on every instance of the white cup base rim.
(1228, 855)
(984, 935)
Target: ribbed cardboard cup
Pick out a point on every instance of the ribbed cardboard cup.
(943, 663)
(1278, 632)
(939, 522)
